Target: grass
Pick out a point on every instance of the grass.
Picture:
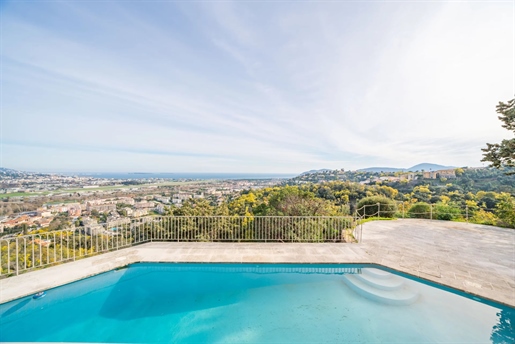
(375, 219)
(17, 194)
(102, 188)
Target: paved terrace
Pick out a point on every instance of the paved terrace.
(477, 259)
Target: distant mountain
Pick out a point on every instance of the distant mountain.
(316, 171)
(429, 167)
(6, 170)
(9, 172)
(424, 166)
(381, 169)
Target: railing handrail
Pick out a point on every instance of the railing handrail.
(465, 212)
(34, 250)
(154, 217)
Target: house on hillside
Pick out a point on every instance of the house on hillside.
(116, 221)
(430, 175)
(139, 212)
(91, 227)
(144, 205)
(408, 176)
(451, 173)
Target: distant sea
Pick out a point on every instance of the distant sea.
(203, 176)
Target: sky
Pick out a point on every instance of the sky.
(251, 86)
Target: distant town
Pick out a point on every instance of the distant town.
(34, 201)
(31, 201)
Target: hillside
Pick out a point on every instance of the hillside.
(315, 171)
(381, 169)
(7, 172)
(471, 179)
(428, 167)
(420, 167)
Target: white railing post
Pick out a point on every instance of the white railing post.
(152, 231)
(17, 257)
(378, 209)
(73, 244)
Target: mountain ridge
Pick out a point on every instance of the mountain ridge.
(315, 171)
(419, 167)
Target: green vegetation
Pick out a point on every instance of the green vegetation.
(377, 206)
(61, 221)
(420, 210)
(242, 216)
(374, 218)
(483, 195)
(436, 200)
(505, 210)
(277, 201)
(503, 154)
(45, 247)
(101, 188)
(49, 247)
(18, 194)
(447, 211)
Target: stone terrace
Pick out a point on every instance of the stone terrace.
(477, 259)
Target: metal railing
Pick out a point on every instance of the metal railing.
(26, 252)
(434, 212)
(437, 212)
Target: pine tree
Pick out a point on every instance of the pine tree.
(503, 154)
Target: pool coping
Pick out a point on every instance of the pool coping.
(279, 253)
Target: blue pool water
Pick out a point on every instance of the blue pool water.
(246, 303)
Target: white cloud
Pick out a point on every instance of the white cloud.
(253, 87)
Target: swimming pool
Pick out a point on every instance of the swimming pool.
(248, 303)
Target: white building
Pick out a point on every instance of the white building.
(161, 208)
(165, 200)
(91, 227)
(140, 212)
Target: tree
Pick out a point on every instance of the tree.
(194, 207)
(293, 201)
(422, 193)
(420, 210)
(243, 204)
(368, 206)
(505, 209)
(503, 154)
(24, 228)
(503, 331)
(387, 191)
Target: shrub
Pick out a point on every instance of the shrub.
(387, 207)
(505, 210)
(420, 210)
(484, 218)
(446, 212)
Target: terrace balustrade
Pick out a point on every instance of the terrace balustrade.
(27, 252)
(19, 253)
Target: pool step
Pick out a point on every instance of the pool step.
(391, 283)
(379, 287)
(376, 273)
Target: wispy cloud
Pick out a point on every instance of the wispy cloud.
(251, 87)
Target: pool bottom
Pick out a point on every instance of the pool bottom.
(246, 303)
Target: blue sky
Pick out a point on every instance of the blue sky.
(251, 86)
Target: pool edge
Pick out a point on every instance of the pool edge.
(27, 284)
